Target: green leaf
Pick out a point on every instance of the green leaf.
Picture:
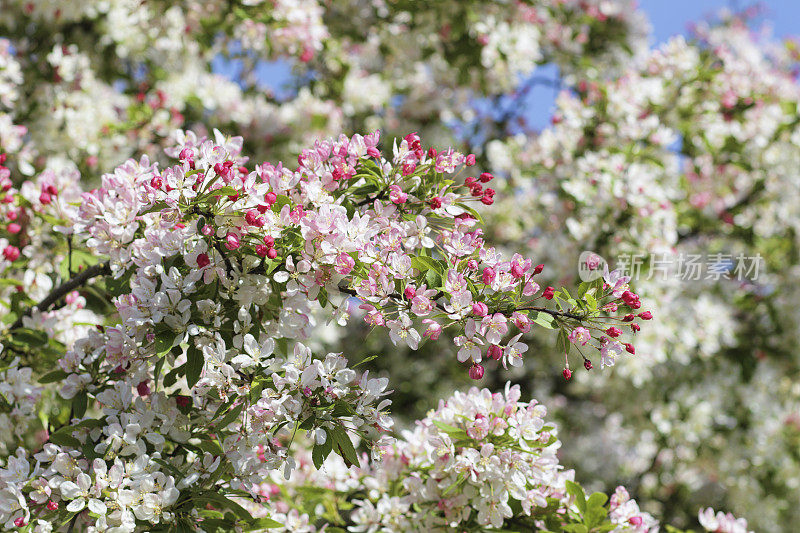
(365, 360)
(194, 365)
(594, 516)
(158, 206)
(29, 337)
(454, 432)
(322, 451)
(165, 340)
(562, 342)
(220, 500)
(544, 319)
(576, 491)
(256, 387)
(79, 404)
(597, 499)
(343, 445)
(52, 377)
(230, 416)
(280, 202)
(211, 447)
(64, 439)
(263, 523)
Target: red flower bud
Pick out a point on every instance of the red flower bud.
(476, 371)
(630, 349)
(494, 352)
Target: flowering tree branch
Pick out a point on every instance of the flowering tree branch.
(65, 288)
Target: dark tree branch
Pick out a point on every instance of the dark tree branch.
(62, 290)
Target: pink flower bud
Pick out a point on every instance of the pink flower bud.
(635, 327)
(480, 309)
(549, 292)
(396, 195)
(307, 55)
(261, 250)
(537, 269)
(488, 275)
(410, 292)
(231, 241)
(207, 230)
(476, 371)
(45, 198)
(20, 522)
(270, 198)
(470, 161)
(52, 506)
(614, 332)
(11, 253)
(635, 520)
(587, 364)
(72, 297)
(567, 373)
(494, 352)
(272, 253)
(486, 177)
(14, 228)
(647, 315)
(203, 260)
(373, 152)
(251, 217)
(435, 202)
(143, 389)
(630, 349)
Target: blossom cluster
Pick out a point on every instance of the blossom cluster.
(215, 272)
